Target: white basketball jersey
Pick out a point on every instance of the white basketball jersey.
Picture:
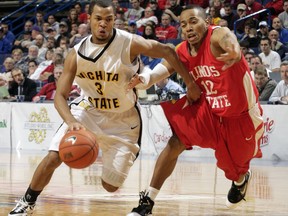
(103, 72)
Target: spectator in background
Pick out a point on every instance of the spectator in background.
(32, 54)
(283, 16)
(45, 68)
(252, 7)
(35, 32)
(283, 33)
(202, 3)
(50, 43)
(53, 23)
(82, 33)
(275, 7)
(148, 16)
(8, 35)
(157, 11)
(134, 13)
(5, 45)
(169, 89)
(263, 30)
(277, 46)
(174, 10)
(120, 11)
(244, 46)
(218, 6)
(83, 17)
(214, 15)
(248, 56)
(25, 42)
(74, 29)
(166, 31)
(163, 4)
(63, 32)
(52, 33)
(64, 45)
(240, 13)
(280, 93)
(45, 27)
(72, 18)
(78, 7)
(251, 35)
(39, 42)
(49, 89)
(255, 62)
(132, 27)
(223, 23)
(149, 32)
(32, 66)
(22, 85)
(5, 74)
(39, 20)
(8, 65)
(17, 54)
(264, 84)
(270, 58)
(119, 24)
(27, 28)
(229, 15)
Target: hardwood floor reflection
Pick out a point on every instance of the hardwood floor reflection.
(195, 188)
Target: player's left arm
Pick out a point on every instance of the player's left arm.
(225, 46)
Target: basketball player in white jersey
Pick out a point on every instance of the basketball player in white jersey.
(102, 65)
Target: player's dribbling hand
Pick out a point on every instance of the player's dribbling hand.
(72, 126)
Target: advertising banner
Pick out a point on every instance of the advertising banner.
(5, 125)
(34, 124)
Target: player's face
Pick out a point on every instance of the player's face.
(102, 22)
(194, 27)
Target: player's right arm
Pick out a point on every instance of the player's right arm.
(63, 89)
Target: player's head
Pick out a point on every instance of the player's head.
(101, 18)
(194, 23)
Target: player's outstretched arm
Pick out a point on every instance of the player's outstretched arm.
(225, 47)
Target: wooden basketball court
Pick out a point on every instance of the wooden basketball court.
(195, 188)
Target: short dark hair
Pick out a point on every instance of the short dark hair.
(266, 39)
(197, 7)
(101, 3)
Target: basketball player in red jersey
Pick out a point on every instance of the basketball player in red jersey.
(227, 118)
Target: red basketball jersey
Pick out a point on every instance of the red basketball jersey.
(229, 92)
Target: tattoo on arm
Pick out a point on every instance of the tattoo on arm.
(225, 40)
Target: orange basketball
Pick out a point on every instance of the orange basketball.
(78, 149)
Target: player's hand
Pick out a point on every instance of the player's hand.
(135, 80)
(74, 126)
(193, 92)
(230, 57)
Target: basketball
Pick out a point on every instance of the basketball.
(78, 149)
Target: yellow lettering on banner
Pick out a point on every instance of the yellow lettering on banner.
(105, 103)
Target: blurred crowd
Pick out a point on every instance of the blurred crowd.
(38, 52)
